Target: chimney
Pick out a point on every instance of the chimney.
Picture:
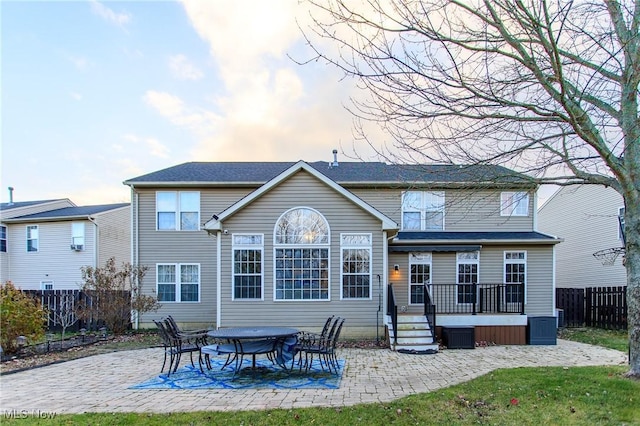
(11, 195)
(335, 159)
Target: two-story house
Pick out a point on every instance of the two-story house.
(44, 244)
(236, 244)
(590, 219)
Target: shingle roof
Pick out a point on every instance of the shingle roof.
(19, 204)
(345, 173)
(69, 212)
(409, 236)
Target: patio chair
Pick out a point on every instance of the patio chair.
(324, 348)
(306, 338)
(174, 347)
(198, 336)
(217, 348)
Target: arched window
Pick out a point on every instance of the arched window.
(301, 246)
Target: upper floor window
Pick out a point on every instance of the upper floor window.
(423, 211)
(178, 282)
(301, 239)
(514, 204)
(247, 266)
(3, 238)
(419, 276)
(77, 235)
(46, 285)
(178, 210)
(356, 266)
(515, 274)
(621, 212)
(32, 238)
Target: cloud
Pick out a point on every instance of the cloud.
(183, 69)
(152, 146)
(119, 19)
(75, 95)
(198, 120)
(81, 63)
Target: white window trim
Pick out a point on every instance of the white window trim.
(178, 211)
(247, 246)
(459, 261)
(178, 283)
(6, 238)
(44, 283)
(327, 246)
(428, 260)
(37, 228)
(515, 261)
(77, 239)
(368, 246)
(511, 200)
(423, 210)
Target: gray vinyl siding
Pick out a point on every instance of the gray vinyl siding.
(465, 210)
(154, 247)
(539, 269)
(586, 217)
(114, 236)
(301, 190)
(54, 260)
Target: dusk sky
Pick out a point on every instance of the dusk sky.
(94, 93)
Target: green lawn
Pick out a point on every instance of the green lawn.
(613, 339)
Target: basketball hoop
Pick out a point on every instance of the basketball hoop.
(608, 256)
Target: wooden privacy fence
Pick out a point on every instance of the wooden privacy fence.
(62, 305)
(600, 307)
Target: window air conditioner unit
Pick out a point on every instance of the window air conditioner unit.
(76, 247)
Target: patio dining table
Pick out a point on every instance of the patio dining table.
(259, 340)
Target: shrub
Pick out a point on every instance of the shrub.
(114, 294)
(20, 315)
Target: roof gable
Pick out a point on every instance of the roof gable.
(215, 224)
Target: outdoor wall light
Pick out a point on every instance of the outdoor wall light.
(396, 267)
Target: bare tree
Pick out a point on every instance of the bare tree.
(64, 314)
(547, 88)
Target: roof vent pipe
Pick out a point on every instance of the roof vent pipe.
(335, 159)
(11, 195)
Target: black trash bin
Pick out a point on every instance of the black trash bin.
(542, 330)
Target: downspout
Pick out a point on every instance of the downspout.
(134, 240)
(218, 279)
(95, 241)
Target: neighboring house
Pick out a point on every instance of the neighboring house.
(239, 244)
(46, 243)
(586, 217)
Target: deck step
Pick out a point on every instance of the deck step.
(414, 335)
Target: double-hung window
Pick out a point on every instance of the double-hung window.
(515, 273)
(301, 255)
(32, 238)
(514, 204)
(356, 266)
(419, 276)
(178, 211)
(423, 211)
(247, 266)
(77, 235)
(178, 282)
(3, 238)
(467, 276)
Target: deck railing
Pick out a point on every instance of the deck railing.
(476, 298)
(430, 313)
(392, 311)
